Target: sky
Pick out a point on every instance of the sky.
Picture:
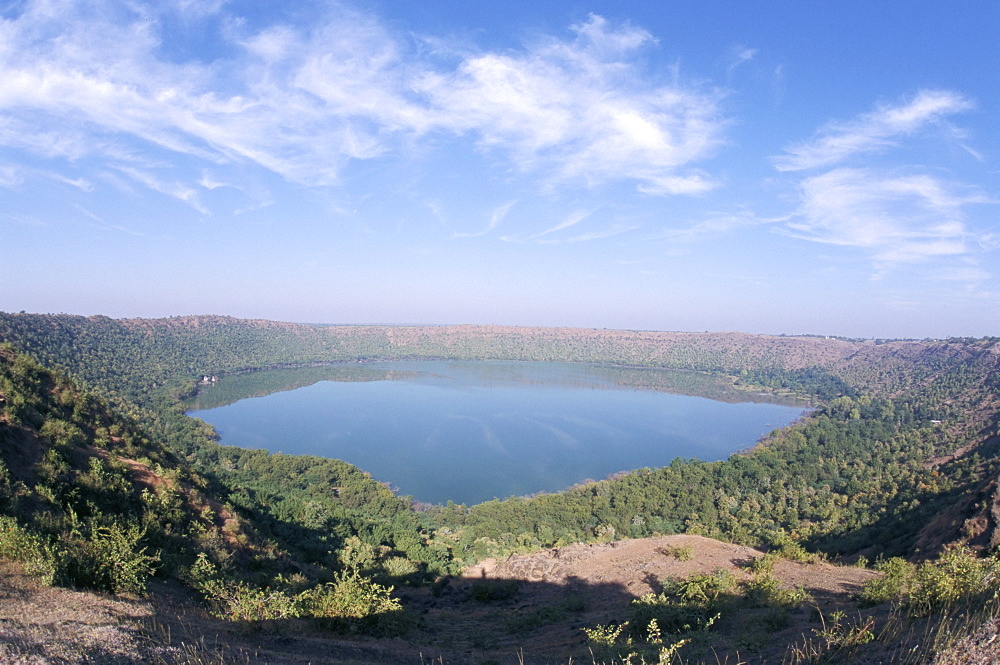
(779, 167)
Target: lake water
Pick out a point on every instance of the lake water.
(474, 431)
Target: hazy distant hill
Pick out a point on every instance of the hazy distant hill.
(146, 353)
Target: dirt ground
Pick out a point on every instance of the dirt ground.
(597, 583)
(532, 612)
(40, 624)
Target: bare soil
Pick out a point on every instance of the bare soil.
(40, 625)
(535, 615)
(599, 581)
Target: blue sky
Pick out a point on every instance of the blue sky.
(774, 167)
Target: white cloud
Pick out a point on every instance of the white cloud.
(872, 132)
(740, 56)
(897, 218)
(498, 214)
(10, 175)
(580, 111)
(80, 183)
(612, 231)
(712, 226)
(87, 79)
(209, 182)
(600, 36)
(553, 234)
(899, 215)
(175, 190)
(571, 220)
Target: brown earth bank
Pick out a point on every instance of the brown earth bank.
(549, 597)
(601, 580)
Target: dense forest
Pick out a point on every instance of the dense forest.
(99, 463)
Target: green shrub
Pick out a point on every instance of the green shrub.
(671, 614)
(349, 596)
(237, 601)
(957, 575)
(761, 590)
(613, 644)
(893, 583)
(789, 597)
(680, 552)
(350, 600)
(689, 604)
(775, 619)
(357, 555)
(62, 434)
(837, 633)
(399, 567)
(28, 549)
(705, 588)
(763, 564)
(788, 548)
(111, 559)
(106, 476)
(605, 636)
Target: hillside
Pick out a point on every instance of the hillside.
(139, 356)
(100, 464)
(81, 486)
(530, 609)
(551, 595)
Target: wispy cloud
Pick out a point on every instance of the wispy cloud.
(304, 102)
(872, 132)
(580, 111)
(740, 56)
(9, 175)
(896, 215)
(210, 183)
(175, 190)
(498, 214)
(616, 230)
(80, 183)
(102, 225)
(898, 218)
(553, 234)
(572, 220)
(711, 226)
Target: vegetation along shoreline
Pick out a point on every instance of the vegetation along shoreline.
(107, 485)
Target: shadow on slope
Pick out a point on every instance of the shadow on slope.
(921, 523)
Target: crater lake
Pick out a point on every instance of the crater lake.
(469, 431)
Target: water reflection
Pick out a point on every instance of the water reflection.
(472, 431)
(245, 385)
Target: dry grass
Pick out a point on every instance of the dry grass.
(42, 625)
(582, 586)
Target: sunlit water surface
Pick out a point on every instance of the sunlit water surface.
(473, 431)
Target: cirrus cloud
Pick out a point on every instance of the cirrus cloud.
(898, 218)
(872, 132)
(906, 214)
(94, 79)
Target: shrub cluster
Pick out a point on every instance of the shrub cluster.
(350, 601)
(958, 576)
